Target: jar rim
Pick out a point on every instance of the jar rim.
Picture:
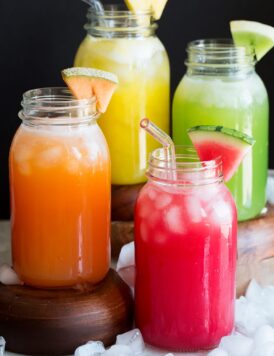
(189, 170)
(56, 106)
(220, 46)
(116, 21)
(54, 96)
(220, 56)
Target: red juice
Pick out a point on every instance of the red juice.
(185, 240)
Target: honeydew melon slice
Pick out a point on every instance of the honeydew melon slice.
(231, 145)
(156, 6)
(255, 34)
(85, 83)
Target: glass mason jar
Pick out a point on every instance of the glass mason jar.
(124, 43)
(60, 191)
(221, 87)
(185, 241)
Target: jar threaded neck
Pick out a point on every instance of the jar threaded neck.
(116, 21)
(219, 57)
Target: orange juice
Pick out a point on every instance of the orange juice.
(60, 199)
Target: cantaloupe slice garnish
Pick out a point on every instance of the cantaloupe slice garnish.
(85, 83)
(156, 6)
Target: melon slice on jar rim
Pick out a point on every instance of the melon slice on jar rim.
(156, 6)
(84, 83)
(230, 145)
(254, 34)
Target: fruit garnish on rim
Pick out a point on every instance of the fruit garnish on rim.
(156, 6)
(255, 34)
(231, 145)
(85, 83)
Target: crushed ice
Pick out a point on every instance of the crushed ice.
(253, 335)
(2, 346)
(270, 189)
(130, 343)
(8, 276)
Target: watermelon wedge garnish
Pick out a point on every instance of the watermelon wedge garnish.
(85, 83)
(231, 145)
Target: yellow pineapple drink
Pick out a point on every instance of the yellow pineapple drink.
(125, 44)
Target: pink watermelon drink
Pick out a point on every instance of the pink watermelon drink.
(185, 238)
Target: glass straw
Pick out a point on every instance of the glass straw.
(164, 139)
(97, 6)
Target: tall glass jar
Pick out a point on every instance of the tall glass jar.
(60, 191)
(185, 244)
(125, 43)
(221, 87)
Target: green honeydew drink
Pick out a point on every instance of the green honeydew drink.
(221, 87)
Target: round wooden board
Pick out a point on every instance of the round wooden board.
(56, 322)
(255, 247)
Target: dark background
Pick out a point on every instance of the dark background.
(38, 38)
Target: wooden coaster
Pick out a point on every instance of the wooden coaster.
(56, 322)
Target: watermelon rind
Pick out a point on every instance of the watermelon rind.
(89, 72)
(232, 133)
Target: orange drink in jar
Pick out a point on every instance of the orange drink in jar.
(60, 191)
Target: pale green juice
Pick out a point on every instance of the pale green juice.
(240, 104)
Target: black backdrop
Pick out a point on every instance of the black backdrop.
(40, 37)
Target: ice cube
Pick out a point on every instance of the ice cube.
(162, 201)
(22, 158)
(50, 156)
(222, 210)
(152, 194)
(237, 345)
(144, 231)
(92, 348)
(267, 303)
(8, 276)
(264, 350)
(144, 210)
(248, 316)
(2, 346)
(127, 256)
(174, 220)
(218, 352)
(254, 292)
(24, 154)
(195, 211)
(263, 335)
(76, 153)
(270, 190)
(133, 339)
(126, 264)
(119, 350)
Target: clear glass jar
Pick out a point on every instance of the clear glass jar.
(185, 248)
(60, 191)
(124, 43)
(221, 87)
